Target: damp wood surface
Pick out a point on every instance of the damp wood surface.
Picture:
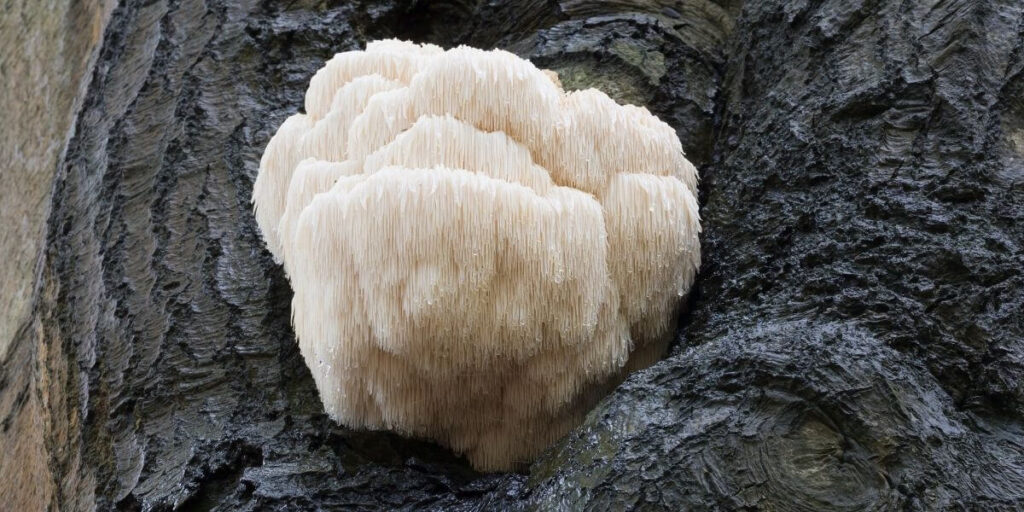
(854, 340)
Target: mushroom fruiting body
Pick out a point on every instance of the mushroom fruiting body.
(477, 255)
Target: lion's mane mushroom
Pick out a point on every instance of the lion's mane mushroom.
(477, 255)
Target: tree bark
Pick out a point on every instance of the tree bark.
(854, 341)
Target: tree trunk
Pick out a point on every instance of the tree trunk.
(855, 340)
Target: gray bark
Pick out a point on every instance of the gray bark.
(854, 342)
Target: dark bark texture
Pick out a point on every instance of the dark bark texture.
(855, 340)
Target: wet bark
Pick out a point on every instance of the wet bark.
(854, 341)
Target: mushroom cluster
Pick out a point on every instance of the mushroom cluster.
(477, 255)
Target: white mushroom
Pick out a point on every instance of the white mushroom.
(476, 254)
